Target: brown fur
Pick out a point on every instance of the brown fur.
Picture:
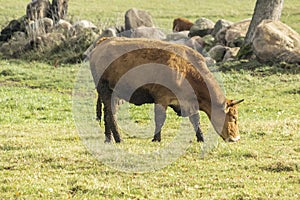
(185, 64)
(182, 24)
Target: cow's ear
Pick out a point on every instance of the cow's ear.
(234, 102)
(230, 103)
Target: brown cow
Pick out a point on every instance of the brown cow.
(182, 24)
(169, 75)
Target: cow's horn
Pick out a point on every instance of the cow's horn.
(236, 102)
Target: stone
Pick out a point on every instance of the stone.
(135, 18)
(15, 25)
(231, 53)
(148, 32)
(220, 24)
(13, 48)
(209, 62)
(274, 41)
(64, 27)
(227, 36)
(84, 24)
(217, 52)
(201, 27)
(237, 31)
(110, 32)
(177, 35)
(209, 42)
(19, 35)
(196, 43)
(48, 40)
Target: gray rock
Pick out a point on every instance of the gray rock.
(13, 26)
(209, 62)
(229, 35)
(202, 27)
(135, 18)
(19, 35)
(84, 24)
(63, 25)
(217, 53)
(13, 48)
(209, 42)
(220, 24)
(177, 35)
(196, 43)
(236, 31)
(231, 53)
(148, 32)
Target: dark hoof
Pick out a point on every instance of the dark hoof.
(156, 140)
(200, 139)
(118, 140)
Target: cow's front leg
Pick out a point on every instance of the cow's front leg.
(195, 120)
(160, 118)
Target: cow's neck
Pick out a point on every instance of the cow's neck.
(211, 99)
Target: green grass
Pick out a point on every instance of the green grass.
(43, 157)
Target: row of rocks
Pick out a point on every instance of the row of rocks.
(218, 42)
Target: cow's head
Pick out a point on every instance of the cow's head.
(230, 131)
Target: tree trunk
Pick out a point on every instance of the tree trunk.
(59, 9)
(264, 9)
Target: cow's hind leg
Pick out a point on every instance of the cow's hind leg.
(160, 118)
(195, 120)
(99, 108)
(109, 118)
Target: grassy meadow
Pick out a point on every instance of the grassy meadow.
(43, 157)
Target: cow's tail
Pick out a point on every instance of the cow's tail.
(99, 108)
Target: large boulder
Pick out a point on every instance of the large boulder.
(135, 18)
(202, 27)
(233, 34)
(274, 42)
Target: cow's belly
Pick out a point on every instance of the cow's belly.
(141, 96)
